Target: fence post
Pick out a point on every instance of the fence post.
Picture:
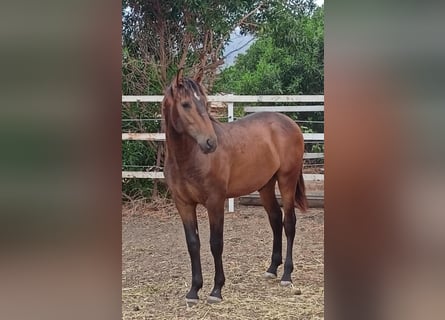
(231, 201)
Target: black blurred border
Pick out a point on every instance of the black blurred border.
(60, 197)
(384, 156)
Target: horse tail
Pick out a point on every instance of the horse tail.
(300, 194)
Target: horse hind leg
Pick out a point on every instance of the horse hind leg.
(287, 183)
(270, 203)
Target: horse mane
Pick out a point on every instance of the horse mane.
(191, 84)
(187, 84)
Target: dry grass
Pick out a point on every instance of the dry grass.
(156, 267)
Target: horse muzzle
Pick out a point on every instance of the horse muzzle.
(208, 145)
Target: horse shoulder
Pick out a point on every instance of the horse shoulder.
(189, 180)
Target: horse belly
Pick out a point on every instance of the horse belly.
(251, 175)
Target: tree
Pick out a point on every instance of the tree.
(171, 34)
(287, 57)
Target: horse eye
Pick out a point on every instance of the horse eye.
(186, 105)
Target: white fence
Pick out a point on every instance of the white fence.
(230, 100)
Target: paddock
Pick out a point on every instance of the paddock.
(156, 266)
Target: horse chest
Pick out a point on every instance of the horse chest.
(187, 183)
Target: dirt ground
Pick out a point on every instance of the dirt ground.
(156, 270)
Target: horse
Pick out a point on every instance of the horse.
(207, 161)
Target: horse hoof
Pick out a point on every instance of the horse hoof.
(191, 302)
(286, 283)
(268, 275)
(212, 299)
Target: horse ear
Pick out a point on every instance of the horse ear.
(179, 77)
(199, 75)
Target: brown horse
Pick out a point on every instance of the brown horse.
(208, 161)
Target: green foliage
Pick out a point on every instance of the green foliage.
(184, 33)
(137, 155)
(287, 57)
(139, 76)
(254, 73)
(311, 147)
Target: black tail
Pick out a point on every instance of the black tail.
(300, 194)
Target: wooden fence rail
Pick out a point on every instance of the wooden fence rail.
(160, 175)
(237, 98)
(308, 137)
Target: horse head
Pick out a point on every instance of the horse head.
(185, 108)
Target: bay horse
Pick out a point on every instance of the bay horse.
(207, 161)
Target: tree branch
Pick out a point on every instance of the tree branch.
(214, 54)
(243, 19)
(185, 43)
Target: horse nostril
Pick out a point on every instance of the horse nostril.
(211, 144)
(208, 146)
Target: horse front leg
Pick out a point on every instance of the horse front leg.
(216, 219)
(190, 223)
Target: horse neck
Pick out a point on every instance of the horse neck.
(179, 145)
